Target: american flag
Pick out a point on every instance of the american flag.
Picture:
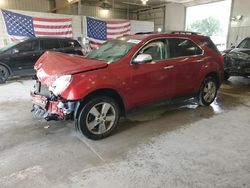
(20, 27)
(99, 31)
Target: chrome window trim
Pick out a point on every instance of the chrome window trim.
(168, 58)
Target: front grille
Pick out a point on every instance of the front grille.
(42, 89)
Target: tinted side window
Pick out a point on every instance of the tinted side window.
(27, 46)
(69, 44)
(182, 47)
(244, 44)
(157, 49)
(209, 43)
(49, 44)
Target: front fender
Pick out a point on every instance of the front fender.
(86, 83)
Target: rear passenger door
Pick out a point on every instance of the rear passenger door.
(70, 46)
(49, 44)
(186, 58)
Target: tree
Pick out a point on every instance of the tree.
(208, 26)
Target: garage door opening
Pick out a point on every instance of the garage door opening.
(211, 20)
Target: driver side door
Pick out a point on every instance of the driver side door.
(24, 56)
(152, 81)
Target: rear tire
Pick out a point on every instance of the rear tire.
(4, 74)
(208, 91)
(98, 118)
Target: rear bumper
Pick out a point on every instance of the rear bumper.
(48, 109)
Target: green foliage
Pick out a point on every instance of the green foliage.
(209, 26)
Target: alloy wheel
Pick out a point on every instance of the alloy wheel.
(101, 118)
(209, 91)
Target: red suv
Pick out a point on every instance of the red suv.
(122, 74)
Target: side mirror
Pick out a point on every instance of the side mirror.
(142, 58)
(15, 51)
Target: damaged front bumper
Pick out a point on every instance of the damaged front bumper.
(50, 107)
(49, 110)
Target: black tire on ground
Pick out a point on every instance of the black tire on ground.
(98, 118)
(226, 76)
(4, 74)
(208, 91)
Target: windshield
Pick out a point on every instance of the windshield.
(7, 47)
(245, 44)
(112, 51)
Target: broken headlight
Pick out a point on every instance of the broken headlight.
(60, 84)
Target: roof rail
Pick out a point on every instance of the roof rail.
(185, 32)
(143, 33)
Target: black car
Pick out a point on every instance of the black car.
(237, 60)
(19, 59)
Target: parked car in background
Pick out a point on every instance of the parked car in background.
(19, 59)
(237, 60)
(122, 74)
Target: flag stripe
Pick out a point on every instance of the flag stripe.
(119, 32)
(52, 19)
(52, 26)
(123, 30)
(118, 22)
(52, 30)
(39, 33)
(118, 25)
(61, 27)
(51, 23)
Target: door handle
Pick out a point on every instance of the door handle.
(199, 61)
(169, 67)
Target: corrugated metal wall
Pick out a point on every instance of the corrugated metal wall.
(239, 29)
(30, 5)
(237, 34)
(154, 15)
(95, 11)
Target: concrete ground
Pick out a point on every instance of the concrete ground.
(170, 145)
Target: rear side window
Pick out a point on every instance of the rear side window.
(179, 47)
(209, 43)
(69, 44)
(49, 44)
(245, 44)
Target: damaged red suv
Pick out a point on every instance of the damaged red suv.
(96, 90)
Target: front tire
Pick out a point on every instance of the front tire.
(4, 74)
(208, 91)
(98, 118)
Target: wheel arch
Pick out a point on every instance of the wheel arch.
(216, 76)
(8, 68)
(101, 92)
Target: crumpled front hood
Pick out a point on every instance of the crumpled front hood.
(52, 65)
(243, 54)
